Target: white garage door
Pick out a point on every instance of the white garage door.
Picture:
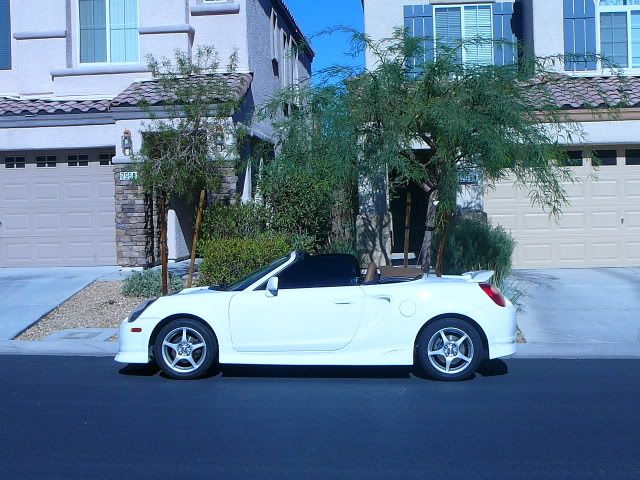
(600, 228)
(57, 209)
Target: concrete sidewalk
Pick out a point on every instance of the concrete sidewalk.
(70, 348)
(588, 306)
(30, 293)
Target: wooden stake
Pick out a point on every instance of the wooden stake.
(164, 251)
(196, 235)
(407, 230)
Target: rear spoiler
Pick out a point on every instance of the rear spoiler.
(479, 276)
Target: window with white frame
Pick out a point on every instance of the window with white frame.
(274, 34)
(108, 31)
(469, 25)
(620, 32)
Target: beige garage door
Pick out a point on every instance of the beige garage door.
(600, 228)
(57, 209)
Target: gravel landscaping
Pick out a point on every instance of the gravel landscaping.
(100, 305)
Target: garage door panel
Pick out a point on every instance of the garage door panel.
(575, 221)
(605, 221)
(537, 222)
(590, 232)
(57, 216)
(571, 252)
(633, 252)
(605, 189)
(632, 188)
(46, 222)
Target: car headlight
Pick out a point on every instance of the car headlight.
(137, 311)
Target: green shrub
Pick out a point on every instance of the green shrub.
(149, 284)
(227, 260)
(300, 204)
(234, 221)
(474, 245)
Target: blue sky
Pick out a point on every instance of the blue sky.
(314, 16)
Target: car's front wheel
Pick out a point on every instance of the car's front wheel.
(185, 349)
(450, 349)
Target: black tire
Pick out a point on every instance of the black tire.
(435, 366)
(181, 361)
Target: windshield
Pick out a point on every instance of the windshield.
(255, 276)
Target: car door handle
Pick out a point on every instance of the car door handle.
(343, 301)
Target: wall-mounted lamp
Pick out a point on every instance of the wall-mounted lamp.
(127, 143)
(218, 138)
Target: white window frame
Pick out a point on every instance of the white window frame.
(461, 7)
(107, 5)
(617, 9)
(273, 29)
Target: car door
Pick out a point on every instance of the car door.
(318, 307)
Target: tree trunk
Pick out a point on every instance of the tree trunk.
(163, 210)
(441, 247)
(425, 250)
(196, 235)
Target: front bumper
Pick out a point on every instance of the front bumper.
(133, 347)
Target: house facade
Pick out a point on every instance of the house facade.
(600, 227)
(72, 75)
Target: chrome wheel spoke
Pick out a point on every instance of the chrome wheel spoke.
(196, 346)
(462, 339)
(448, 361)
(176, 361)
(462, 357)
(444, 337)
(437, 352)
(172, 346)
(191, 361)
(184, 334)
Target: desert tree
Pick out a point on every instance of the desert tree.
(190, 136)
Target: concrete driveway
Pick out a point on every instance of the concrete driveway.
(27, 294)
(581, 306)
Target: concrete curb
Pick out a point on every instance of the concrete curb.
(578, 350)
(70, 348)
(77, 348)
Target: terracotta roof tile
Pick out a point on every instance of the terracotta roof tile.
(10, 106)
(572, 93)
(151, 93)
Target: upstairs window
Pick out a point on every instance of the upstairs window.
(620, 32)
(108, 31)
(470, 25)
(5, 35)
(14, 162)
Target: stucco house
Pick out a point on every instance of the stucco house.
(601, 226)
(72, 75)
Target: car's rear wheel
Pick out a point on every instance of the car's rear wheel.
(450, 349)
(185, 349)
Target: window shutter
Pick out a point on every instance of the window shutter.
(579, 35)
(418, 21)
(477, 25)
(504, 50)
(5, 35)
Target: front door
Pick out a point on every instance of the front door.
(299, 319)
(318, 307)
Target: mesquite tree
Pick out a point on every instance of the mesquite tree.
(435, 122)
(190, 135)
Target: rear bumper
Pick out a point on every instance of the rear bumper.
(502, 334)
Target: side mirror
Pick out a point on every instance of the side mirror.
(272, 287)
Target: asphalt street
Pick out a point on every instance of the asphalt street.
(88, 418)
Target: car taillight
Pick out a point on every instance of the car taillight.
(494, 294)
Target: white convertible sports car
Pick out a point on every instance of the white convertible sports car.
(318, 310)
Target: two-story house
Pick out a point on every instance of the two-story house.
(72, 75)
(601, 225)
